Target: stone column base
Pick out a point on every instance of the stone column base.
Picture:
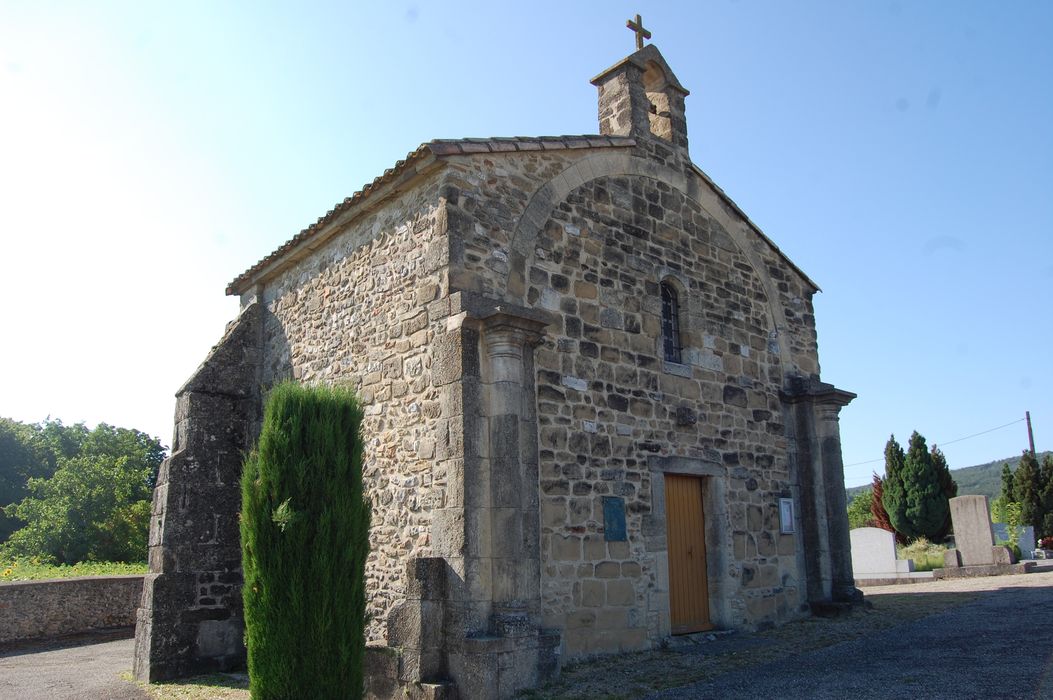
(495, 667)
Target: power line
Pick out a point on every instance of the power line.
(949, 442)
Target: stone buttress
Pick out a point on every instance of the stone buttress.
(190, 619)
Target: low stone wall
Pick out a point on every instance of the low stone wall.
(42, 609)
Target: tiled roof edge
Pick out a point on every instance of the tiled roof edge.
(438, 148)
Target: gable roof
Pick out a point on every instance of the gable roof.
(640, 59)
(419, 162)
(415, 163)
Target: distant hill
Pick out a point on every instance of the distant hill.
(980, 480)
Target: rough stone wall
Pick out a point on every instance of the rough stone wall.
(364, 310)
(797, 325)
(486, 199)
(41, 609)
(607, 401)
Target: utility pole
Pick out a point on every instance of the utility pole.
(1030, 435)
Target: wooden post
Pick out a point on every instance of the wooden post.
(1030, 435)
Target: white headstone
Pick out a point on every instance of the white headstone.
(874, 554)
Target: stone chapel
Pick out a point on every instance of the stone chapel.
(594, 415)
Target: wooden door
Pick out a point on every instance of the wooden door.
(686, 537)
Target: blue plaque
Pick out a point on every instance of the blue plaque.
(614, 519)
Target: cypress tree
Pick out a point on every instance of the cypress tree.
(1008, 491)
(1027, 482)
(918, 507)
(305, 538)
(894, 494)
(948, 486)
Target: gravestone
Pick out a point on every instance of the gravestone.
(973, 539)
(1026, 541)
(874, 554)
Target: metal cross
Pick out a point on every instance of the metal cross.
(641, 33)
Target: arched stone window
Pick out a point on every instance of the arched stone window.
(671, 344)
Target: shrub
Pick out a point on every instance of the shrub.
(305, 538)
(926, 555)
(859, 510)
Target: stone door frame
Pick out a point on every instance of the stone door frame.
(718, 534)
(687, 520)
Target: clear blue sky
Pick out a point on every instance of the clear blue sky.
(900, 152)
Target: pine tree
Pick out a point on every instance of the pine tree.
(948, 486)
(894, 493)
(1008, 491)
(916, 502)
(1027, 483)
(305, 538)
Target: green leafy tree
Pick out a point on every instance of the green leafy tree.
(914, 498)
(859, 514)
(1009, 513)
(96, 504)
(23, 456)
(305, 538)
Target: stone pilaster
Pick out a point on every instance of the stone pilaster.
(814, 409)
(493, 534)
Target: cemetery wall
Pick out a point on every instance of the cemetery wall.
(42, 609)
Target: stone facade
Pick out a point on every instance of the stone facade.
(498, 305)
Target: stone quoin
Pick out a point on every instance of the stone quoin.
(589, 382)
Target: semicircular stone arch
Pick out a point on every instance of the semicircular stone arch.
(547, 198)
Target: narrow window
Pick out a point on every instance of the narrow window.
(670, 323)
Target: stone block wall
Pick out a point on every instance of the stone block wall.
(43, 609)
(366, 310)
(608, 402)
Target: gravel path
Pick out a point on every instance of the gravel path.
(966, 638)
(87, 667)
(990, 648)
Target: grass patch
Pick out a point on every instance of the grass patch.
(926, 555)
(32, 569)
(214, 686)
